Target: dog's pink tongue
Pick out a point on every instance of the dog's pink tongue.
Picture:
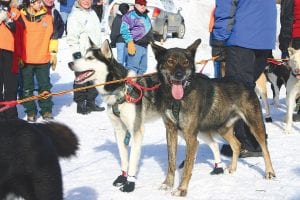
(177, 91)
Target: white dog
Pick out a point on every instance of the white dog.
(293, 86)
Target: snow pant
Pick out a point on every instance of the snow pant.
(8, 84)
(42, 74)
(86, 95)
(138, 62)
(245, 65)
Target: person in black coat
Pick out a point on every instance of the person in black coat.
(116, 37)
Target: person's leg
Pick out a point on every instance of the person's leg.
(2, 116)
(133, 61)
(217, 69)
(91, 95)
(10, 84)
(28, 88)
(144, 60)
(80, 98)
(44, 85)
(240, 66)
(120, 52)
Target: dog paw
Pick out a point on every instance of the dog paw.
(179, 192)
(165, 187)
(128, 187)
(270, 175)
(269, 119)
(217, 171)
(120, 180)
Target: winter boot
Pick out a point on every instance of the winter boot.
(81, 108)
(91, 106)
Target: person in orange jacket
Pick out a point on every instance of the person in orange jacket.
(36, 56)
(8, 68)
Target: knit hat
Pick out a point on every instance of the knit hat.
(141, 2)
(123, 8)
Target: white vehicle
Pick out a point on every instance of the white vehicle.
(165, 17)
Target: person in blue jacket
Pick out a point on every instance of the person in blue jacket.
(245, 30)
(136, 29)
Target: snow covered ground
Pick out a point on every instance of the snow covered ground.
(89, 176)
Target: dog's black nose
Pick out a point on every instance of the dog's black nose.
(71, 65)
(179, 74)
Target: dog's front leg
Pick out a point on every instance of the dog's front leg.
(290, 101)
(190, 155)
(172, 138)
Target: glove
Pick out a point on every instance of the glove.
(220, 52)
(3, 16)
(53, 60)
(76, 55)
(131, 48)
(285, 54)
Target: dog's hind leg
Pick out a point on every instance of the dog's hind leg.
(261, 90)
(257, 128)
(213, 145)
(227, 134)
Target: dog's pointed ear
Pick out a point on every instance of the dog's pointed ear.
(157, 50)
(106, 50)
(92, 44)
(193, 47)
(292, 51)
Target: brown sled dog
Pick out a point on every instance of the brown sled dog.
(195, 105)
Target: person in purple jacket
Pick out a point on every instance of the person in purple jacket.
(245, 30)
(136, 29)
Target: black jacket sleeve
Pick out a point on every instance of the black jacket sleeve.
(286, 22)
(115, 35)
(58, 25)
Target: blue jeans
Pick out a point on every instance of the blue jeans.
(138, 61)
(121, 53)
(217, 69)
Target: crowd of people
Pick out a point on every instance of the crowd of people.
(237, 39)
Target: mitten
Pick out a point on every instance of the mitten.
(53, 60)
(131, 48)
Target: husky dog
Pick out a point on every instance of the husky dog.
(192, 103)
(128, 119)
(277, 75)
(293, 86)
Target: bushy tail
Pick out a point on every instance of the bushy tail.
(63, 138)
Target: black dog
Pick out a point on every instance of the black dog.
(29, 166)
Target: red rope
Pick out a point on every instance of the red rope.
(141, 88)
(8, 104)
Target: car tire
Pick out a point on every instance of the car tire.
(181, 31)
